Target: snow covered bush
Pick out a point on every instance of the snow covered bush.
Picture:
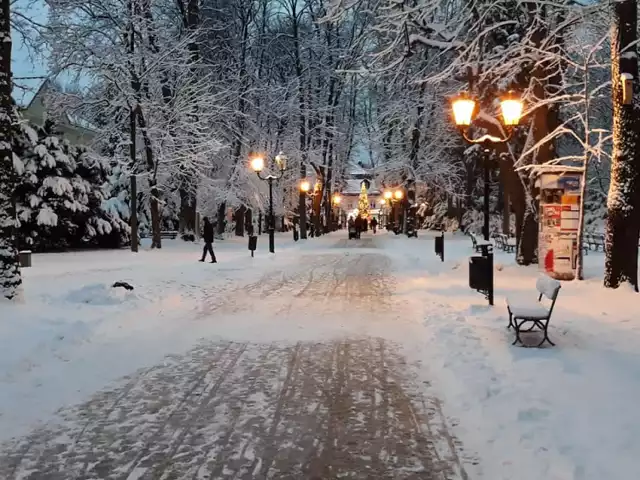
(62, 199)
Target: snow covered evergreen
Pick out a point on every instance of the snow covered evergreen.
(63, 194)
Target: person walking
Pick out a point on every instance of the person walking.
(374, 225)
(207, 235)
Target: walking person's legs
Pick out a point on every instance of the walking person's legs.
(213, 255)
(204, 252)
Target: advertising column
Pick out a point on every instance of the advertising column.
(559, 222)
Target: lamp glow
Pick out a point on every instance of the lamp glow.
(305, 186)
(463, 110)
(257, 164)
(512, 108)
(399, 194)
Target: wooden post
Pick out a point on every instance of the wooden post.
(134, 214)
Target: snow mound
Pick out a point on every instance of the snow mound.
(99, 294)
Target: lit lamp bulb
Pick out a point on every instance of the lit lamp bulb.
(337, 199)
(257, 164)
(399, 194)
(388, 195)
(512, 108)
(305, 186)
(463, 110)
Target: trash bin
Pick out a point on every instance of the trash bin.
(253, 243)
(25, 258)
(479, 273)
(439, 245)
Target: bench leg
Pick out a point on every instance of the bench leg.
(510, 319)
(541, 324)
(517, 330)
(544, 324)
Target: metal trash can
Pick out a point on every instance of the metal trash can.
(479, 273)
(439, 245)
(25, 258)
(253, 243)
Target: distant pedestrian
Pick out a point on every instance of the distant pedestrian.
(207, 236)
(358, 222)
(374, 225)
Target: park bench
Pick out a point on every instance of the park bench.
(535, 315)
(169, 234)
(594, 241)
(503, 242)
(478, 243)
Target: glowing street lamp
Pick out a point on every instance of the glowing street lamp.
(305, 186)
(465, 110)
(257, 163)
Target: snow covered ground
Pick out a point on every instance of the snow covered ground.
(566, 412)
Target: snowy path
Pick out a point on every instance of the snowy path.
(329, 405)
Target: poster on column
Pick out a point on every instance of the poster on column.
(559, 222)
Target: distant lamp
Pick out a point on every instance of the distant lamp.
(464, 108)
(281, 161)
(305, 186)
(511, 107)
(388, 195)
(383, 201)
(398, 194)
(257, 164)
(337, 199)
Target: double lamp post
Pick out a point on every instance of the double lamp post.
(258, 165)
(391, 198)
(305, 188)
(465, 110)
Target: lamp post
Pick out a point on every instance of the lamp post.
(335, 200)
(305, 188)
(258, 164)
(383, 210)
(464, 110)
(393, 198)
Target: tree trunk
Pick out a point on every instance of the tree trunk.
(156, 239)
(187, 211)
(10, 279)
(222, 208)
(239, 219)
(623, 223)
(506, 209)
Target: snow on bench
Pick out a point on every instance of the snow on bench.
(535, 313)
(478, 243)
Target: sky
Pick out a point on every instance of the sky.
(26, 63)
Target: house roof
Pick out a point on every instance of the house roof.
(354, 186)
(74, 120)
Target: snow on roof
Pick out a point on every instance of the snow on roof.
(77, 121)
(354, 186)
(356, 169)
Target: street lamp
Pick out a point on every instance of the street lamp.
(336, 200)
(258, 165)
(391, 198)
(465, 109)
(305, 187)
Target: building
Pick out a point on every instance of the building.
(72, 128)
(351, 192)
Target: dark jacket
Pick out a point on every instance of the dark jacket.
(207, 232)
(374, 222)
